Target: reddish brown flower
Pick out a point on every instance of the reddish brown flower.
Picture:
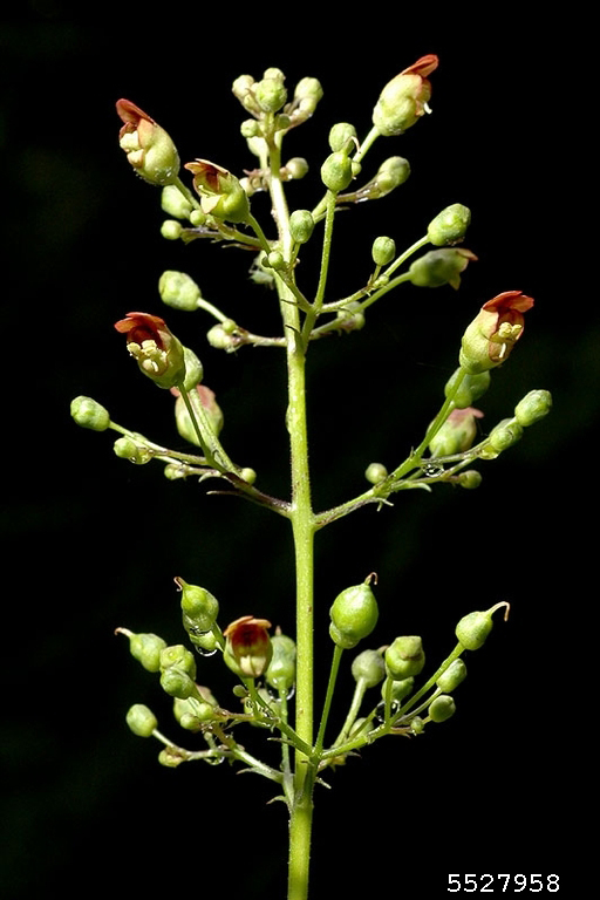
(248, 650)
(404, 99)
(158, 352)
(221, 193)
(149, 148)
(492, 334)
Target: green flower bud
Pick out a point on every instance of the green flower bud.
(439, 267)
(171, 230)
(369, 668)
(178, 290)
(342, 136)
(175, 203)
(248, 475)
(222, 339)
(177, 683)
(375, 473)
(211, 408)
(198, 218)
(141, 720)
(457, 433)
(274, 260)
(473, 629)
(301, 225)
(248, 650)
(149, 148)
(89, 414)
(242, 88)
(198, 604)
(449, 226)
(270, 94)
(417, 724)
(354, 615)
(194, 370)
(178, 656)
(250, 128)
(192, 713)
(471, 388)
(505, 434)
(221, 194)
(470, 480)
(296, 168)
(281, 673)
(350, 318)
(336, 172)
(307, 94)
(404, 99)
(442, 708)
(405, 657)
(383, 251)
(533, 407)
(132, 450)
(400, 689)
(391, 174)
(146, 648)
(170, 757)
(452, 677)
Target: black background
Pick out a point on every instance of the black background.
(92, 543)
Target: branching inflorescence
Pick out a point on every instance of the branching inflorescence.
(270, 668)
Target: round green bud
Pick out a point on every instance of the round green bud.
(439, 267)
(248, 475)
(281, 673)
(470, 389)
(134, 451)
(391, 174)
(354, 615)
(192, 713)
(171, 230)
(175, 203)
(417, 724)
(400, 689)
(270, 94)
(89, 414)
(376, 472)
(405, 657)
(505, 434)
(170, 758)
(220, 338)
(383, 251)
(470, 480)
(472, 630)
(198, 604)
(442, 708)
(146, 648)
(342, 136)
(296, 167)
(274, 73)
(198, 218)
(178, 656)
(533, 407)
(369, 668)
(336, 172)
(275, 260)
(301, 225)
(177, 683)
(449, 226)
(141, 720)
(250, 128)
(452, 677)
(194, 370)
(178, 290)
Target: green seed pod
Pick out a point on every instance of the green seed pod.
(449, 226)
(405, 657)
(471, 388)
(470, 480)
(134, 451)
(452, 677)
(296, 167)
(336, 172)
(174, 203)
(383, 251)
(281, 673)
(89, 414)
(178, 290)
(505, 434)
(473, 629)
(301, 225)
(270, 94)
(533, 407)
(146, 648)
(368, 667)
(198, 605)
(400, 689)
(179, 657)
(141, 720)
(439, 267)
(442, 708)
(354, 615)
(171, 230)
(342, 136)
(375, 473)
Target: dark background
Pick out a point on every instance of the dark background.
(92, 543)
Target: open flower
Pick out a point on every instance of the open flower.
(149, 148)
(221, 193)
(492, 334)
(248, 650)
(158, 352)
(404, 99)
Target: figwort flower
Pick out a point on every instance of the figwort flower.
(492, 334)
(221, 194)
(404, 99)
(248, 650)
(149, 148)
(158, 352)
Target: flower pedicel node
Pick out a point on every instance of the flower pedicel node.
(149, 148)
(492, 334)
(159, 354)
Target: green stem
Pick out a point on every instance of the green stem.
(335, 667)
(315, 311)
(359, 693)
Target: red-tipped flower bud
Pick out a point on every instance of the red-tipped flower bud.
(149, 148)
(491, 336)
(404, 99)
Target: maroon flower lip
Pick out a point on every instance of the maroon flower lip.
(140, 327)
